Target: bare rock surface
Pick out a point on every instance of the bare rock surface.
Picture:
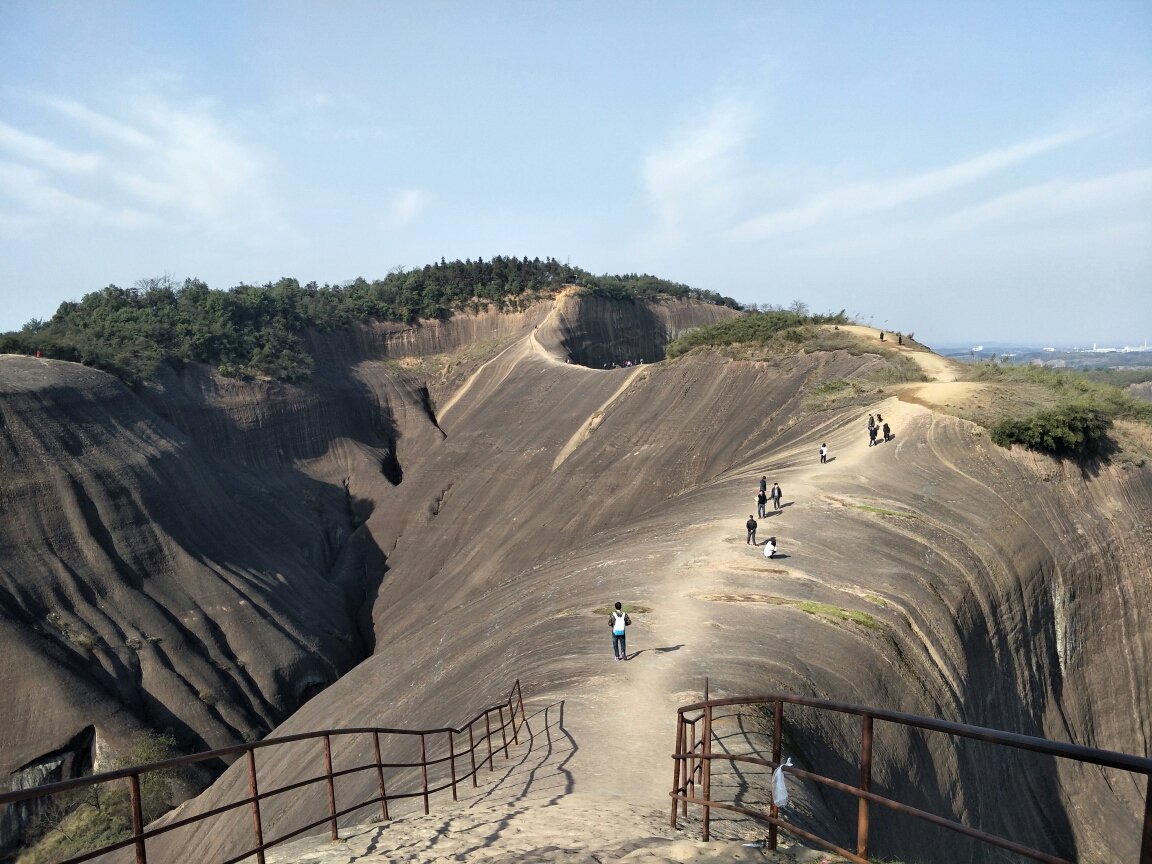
(934, 574)
(490, 501)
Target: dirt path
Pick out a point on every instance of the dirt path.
(937, 368)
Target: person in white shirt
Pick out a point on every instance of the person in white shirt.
(619, 620)
(823, 453)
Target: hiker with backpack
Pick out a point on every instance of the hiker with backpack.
(619, 620)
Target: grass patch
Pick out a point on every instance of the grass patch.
(872, 598)
(830, 611)
(883, 512)
(608, 610)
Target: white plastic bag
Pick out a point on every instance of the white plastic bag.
(779, 787)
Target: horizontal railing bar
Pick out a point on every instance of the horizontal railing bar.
(119, 774)
(1019, 849)
(1092, 755)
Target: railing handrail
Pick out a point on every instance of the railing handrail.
(1096, 756)
(140, 836)
(698, 763)
(147, 767)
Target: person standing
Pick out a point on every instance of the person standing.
(887, 433)
(763, 484)
(751, 526)
(871, 436)
(619, 620)
(823, 453)
(777, 494)
(761, 504)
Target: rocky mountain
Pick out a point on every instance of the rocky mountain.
(441, 509)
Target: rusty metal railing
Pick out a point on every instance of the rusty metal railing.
(693, 757)
(140, 835)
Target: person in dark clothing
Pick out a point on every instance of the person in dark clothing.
(777, 494)
(900, 339)
(871, 436)
(763, 484)
(751, 526)
(881, 335)
(761, 503)
(887, 433)
(619, 620)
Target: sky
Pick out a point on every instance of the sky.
(963, 171)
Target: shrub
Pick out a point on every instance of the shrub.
(1061, 430)
(751, 327)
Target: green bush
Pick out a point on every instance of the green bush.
(1061, 430)
(255, 330)
(751, 327)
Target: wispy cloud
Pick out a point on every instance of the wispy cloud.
(866, 198)
(148, 161)
(695, 175)
(31, 148)
(407, 207)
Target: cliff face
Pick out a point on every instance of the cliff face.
(998, 588)
(457, 499)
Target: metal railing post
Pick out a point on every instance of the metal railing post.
(691, 764)
(865, 784)
(1146, 844)
(452, 762)
(380, 775)
(472, 754)
(707, 765)
(257, 828)
(331, 788)
(488, 737)
(137, 818)
(503, 735)
(676, 751)
(520, 697)
(777, 740)
(512, 719)
(424, 771)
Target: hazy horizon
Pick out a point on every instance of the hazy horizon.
(942, 169)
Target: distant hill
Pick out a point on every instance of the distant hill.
(255, 330)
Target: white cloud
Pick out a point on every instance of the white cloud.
(406, 207)
(863, 199)
(31, 148)
(153, 162)
(1055, 198)
(695, 175)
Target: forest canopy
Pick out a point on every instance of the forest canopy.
(256, 329)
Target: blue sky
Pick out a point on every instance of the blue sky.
(964, 171)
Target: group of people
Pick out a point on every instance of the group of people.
(764, 496)
(627, 364)
(876, 426)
